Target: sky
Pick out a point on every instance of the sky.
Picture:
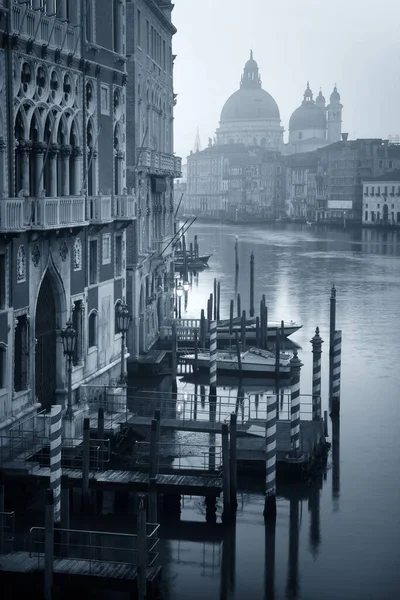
(353, 43)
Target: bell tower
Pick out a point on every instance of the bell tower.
(334, 117)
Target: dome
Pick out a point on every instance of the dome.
(250, 103)
(335, 96)
(320, 101)
(307, 116)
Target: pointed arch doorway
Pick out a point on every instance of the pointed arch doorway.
(46, 345)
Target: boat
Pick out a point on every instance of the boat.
(254, 361)
(179, 257)
(289, 327)
(192, 265)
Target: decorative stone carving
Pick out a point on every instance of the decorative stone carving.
(21, 264)
(77, 255)
(36, 255)
(39, 147)
(3, 144)
(63, 251)
(77, 152)
(66, 150)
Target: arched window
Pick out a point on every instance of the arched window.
(118, 305)
(93, 329)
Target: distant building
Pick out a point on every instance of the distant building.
(251, 116)
(64, 205)
(151, 168)
(314, 125)
(381, 200)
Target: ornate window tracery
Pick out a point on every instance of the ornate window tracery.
(21, 264)
(77, 255)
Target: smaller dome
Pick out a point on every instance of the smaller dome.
(320, 101)
(307, 116)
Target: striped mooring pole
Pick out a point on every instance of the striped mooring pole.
(213, 358)
(336, 364)
(270, 457)
(316, 342)
(295, 366)
(55, 458)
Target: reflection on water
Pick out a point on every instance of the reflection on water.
(322, 552)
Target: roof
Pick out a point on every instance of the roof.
(249, 104)
(390, 176)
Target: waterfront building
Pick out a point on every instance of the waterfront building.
(381, 200)
(151, 169)
(301, 185)
(314, 125)
(63, 199)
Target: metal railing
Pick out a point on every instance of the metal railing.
(96, 546)
(182, 457)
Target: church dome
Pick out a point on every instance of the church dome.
(250, 102)
(308, 115)
(335, 96)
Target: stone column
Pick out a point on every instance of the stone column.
(53, 157)
(65, 152)
(24, 149)
(39, 148)
(77, 183)
(3, 178)
(62, 14)
(50, 7)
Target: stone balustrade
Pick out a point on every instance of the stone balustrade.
(12, 214)
(99, 209)
(34, 25)
(159, 162)
(125, 207)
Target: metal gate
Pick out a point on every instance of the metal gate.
(45, 355)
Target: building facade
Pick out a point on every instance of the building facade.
(381, 200)
(64, 205)
(151, 169)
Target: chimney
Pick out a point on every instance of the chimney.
(345, 137)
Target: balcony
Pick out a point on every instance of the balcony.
(18, 214)
(99, 210)
(124, 208)
(159, 162)
(44, 29)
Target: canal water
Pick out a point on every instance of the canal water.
(338, 539)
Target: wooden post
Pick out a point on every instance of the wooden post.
(282, 336)
(231, 307)
(238, 307)
(336, 364)
(202, 330)
(243, 331)
(258, 338)
(153, 448)
(85, 461)
(65, 521)
(174, 360)
(141, 548)
(191, 251)
(332, 327)
(49, 545)
(209, 309)
(262, 324)
(295, 366)
(326, 423)
(218, 301)
(270, 458)
(252, 285)
(233, 461)
(225, 472)
(196, 351)
(277, 354)
(236, 255)
(55, 458)
(215, 299)
(100, 434)
(265, 327)
(316, 377)
(196, 247)
(239, 356)
(213, 358)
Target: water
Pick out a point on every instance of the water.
(348, 543)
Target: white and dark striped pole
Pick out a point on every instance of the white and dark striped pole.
(295, 366)
(213, 358)
(270, 466)
(316, 342)
(336, 364)
(55, 459)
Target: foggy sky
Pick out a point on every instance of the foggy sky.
(355, 43)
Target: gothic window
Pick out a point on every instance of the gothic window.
(105, 99)
(77, 255)
(106, 249)
(118, 256)
(21, 353)
(77, 323)
(93, 262)
(93, 329)
(21, 265)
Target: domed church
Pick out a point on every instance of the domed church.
(251, 115)
(313, 124)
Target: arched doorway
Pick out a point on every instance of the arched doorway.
(385, 213)
(45, 354)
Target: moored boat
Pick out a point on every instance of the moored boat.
(254, 361)
(289, 327)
